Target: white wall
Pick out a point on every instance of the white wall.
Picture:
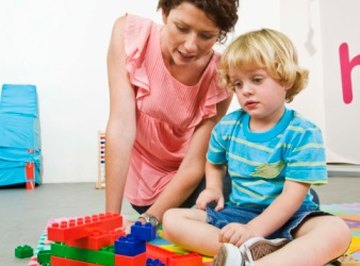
(300, 21)
(60, 46)
(341, 71)
(318, 28)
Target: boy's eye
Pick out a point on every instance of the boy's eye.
(237, 85)
(257, 80)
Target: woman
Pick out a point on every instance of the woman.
(164, 102)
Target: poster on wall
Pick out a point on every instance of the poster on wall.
(340, 37)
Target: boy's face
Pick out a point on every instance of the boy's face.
(261, 96)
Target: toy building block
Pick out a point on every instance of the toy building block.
(129, 246)
(146, 232)
(191, 259)
(104, 256)
(97, 239)
(83, 226)
(43, 256)
(24, 251)
(138, 260)
(101, 160)
(59, 261)
(156, 262)
(30, 175)
(155, 252)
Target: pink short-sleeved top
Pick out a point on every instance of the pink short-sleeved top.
(167, 111)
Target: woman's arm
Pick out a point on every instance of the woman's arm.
(192, 168)
(121, 127)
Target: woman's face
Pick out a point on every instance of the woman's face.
(188, 34)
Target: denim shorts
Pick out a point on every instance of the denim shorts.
(243, 215)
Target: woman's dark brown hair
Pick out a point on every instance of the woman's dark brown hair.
(222, 12)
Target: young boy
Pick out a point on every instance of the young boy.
(272, 155)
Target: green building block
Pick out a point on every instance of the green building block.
(104, 256)
(43, 257)
(24, 251)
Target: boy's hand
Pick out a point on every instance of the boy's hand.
(210, 195)
(235, 233)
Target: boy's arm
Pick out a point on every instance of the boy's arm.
(281, 210)
(214, 186)
(214, 175)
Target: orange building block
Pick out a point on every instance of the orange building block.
(191, 259)
(138, 260)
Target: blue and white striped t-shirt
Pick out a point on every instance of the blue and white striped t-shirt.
(259, 163)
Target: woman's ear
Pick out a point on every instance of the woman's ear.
(164, 16)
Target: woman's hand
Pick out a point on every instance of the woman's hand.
(127, 225)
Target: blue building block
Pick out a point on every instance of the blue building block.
(146, 232)
(129, 245)
(156, 262)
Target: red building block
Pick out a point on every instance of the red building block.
(83, 227)
(59, 261)
(97, 239)
(138, 260)
(30, 175)
(155, 252)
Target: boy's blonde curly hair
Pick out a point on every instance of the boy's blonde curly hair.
(268, 49)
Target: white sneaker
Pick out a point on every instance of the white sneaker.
(250, 251)
(228, 255)
(257, 247)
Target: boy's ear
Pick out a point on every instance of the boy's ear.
(287, 86)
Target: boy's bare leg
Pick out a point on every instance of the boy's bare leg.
(200, 237)
(318, 241)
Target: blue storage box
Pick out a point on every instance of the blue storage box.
(19, 133)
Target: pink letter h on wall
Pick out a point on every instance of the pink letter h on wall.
(346, 67)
